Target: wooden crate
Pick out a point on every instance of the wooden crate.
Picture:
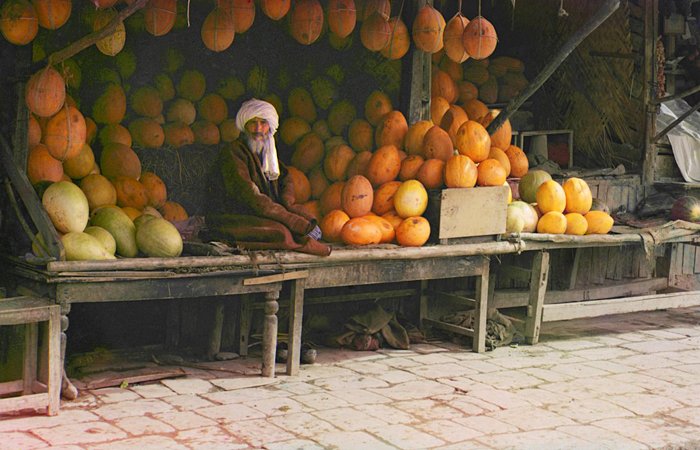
(467, 212)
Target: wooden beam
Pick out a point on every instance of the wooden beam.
(449, 327)
(651, 8)
(605, 11)
(673, 124)
(683, 94)
(538, 287)
(276, 277)
(595, 308)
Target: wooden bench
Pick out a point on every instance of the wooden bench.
(35, 393)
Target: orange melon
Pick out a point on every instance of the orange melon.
(65, 133)
(80, 165)
(358, 165)
(342, 17)
(428, 28)
(413, 232)
(45, 92)
(41, 166)
(413, 144)
(119, 160)
(306, 21)
(375, 32)
(410, 166)
(147, 133)
(377, 105)
(332, 224)
(19, 23)
(360, 135)
(218, 30)
(399, 40)
(357, 196)
(332, 197)
(391, 130)
(383, 201)
(431, 173)
(275, 9)
(52, 14)
(99, 191)
(160, 16)
(156, 191)
(473, 141)
(454, 47)
(384, 165)
(360, 231)
(479, 38)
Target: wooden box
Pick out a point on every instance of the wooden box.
(467, 212)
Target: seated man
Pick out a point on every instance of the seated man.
(251, 197)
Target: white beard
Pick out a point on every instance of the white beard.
(267, 152)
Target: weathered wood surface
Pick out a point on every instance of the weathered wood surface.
(538, 287)
(516, 298)
(296, 315)
(567, 311)
(468, 212)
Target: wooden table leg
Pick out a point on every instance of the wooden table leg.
(296, 312)
(481, 308)
(423, 303)
(53, 382)
(244, 319)
(538, 288)
(269, 343)
(217, 329)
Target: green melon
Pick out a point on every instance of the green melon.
(530, 182)
(120, 227)
(66, 206)
(105, 238)
(159, 238)
(81, 246)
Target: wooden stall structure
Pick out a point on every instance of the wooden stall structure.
(554, 277)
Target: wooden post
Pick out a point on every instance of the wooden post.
(538, 288)
(605, 11)
(651, 8)
(481, 308)
(244, 324)
(31, 336)
(269, 343)
(296, 313)
(55, 359)
(216, 330)
(423, 305)
(415, 96)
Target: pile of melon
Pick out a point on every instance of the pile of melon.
(546, 206)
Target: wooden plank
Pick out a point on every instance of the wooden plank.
(296, 313)
(481, 310)
(276, 277)
(512, 299)
(613, 259)
(599, 265)
(87, 292)
(584, 271)
(568, 311)
(467, 212)
(449, 327)
(55, 362)
(33, 401)
(244, 324)
(115, 380)
(11, 387)
(697, 261)
(688, 259)
(31, 343)
(538, 287)
(575, 267)
(392, 271)
(451, 297)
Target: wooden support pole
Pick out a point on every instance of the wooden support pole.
(481, 308)
(538, 288)
(216, 330)
(296, 313)
(686, 93)
(269, 343)
(605, 11)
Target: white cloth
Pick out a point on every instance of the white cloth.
(684, 137)
(263, 110)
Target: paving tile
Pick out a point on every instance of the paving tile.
(687, 395)
(428, 409)
(571, 344)
(531, 418)
(184, 420)
(401, 363)
(578, 370)
(466, 403)
(143, 443)
(593, 387)
(209, 438)
(647, 431)
(590, 410)
(536, 440)
(114, 395)
(294, 444)
(31, 422)
(394, 376)
(632, 336)
(546, 374)
(502, 399)
(610, 366)
(137, 408)
(257, 432)
(464, 384)
(278, 405)
(353, 381)
(189, 386)
(351, 440)
(448, 430)
(314, 371)
(367, 367)
(434, 358)
(230, 412)
(360, 397)
(690, 415)
(152, 390)
(413, 390)
(674, 376)
(299, 387)
(645, 382)
(427, 348)
(664, 334)
(80, 433)
(506, 379)
(541, 397)
(646, 361)
(602, 438)
(470, 356)
(386, 414)
(644, 404)
(320, 401)
(685, 331)
(603, 353)
(349, 419)
(18, 440)
(538, 360)
(486, 425)
(608, 340)
(465, 445)
(137, 426)
(406, 437)
(187, 402)
(480, 366)
(657, 346)
(244, 395)
(446, 370)
(302, 424)
(229, 384)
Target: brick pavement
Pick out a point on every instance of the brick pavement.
(618, 382)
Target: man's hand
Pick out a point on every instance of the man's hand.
(315, 233)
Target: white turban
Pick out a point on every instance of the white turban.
(263, 110)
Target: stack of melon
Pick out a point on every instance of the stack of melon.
(111, 194)
(546, 206)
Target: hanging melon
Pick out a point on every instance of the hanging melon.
(369, 7)
(306, 21)
(454, 47)
(275, 9)
(428, 29)
(160, 16)
(18, 22)
(41, 166)
(218, 30)
(114, 43)
(45, 92)
(52, 14)
(242, 13)
(342, 17)
(65, 133)
(479, 38)
(399, 41)
(375, 32)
